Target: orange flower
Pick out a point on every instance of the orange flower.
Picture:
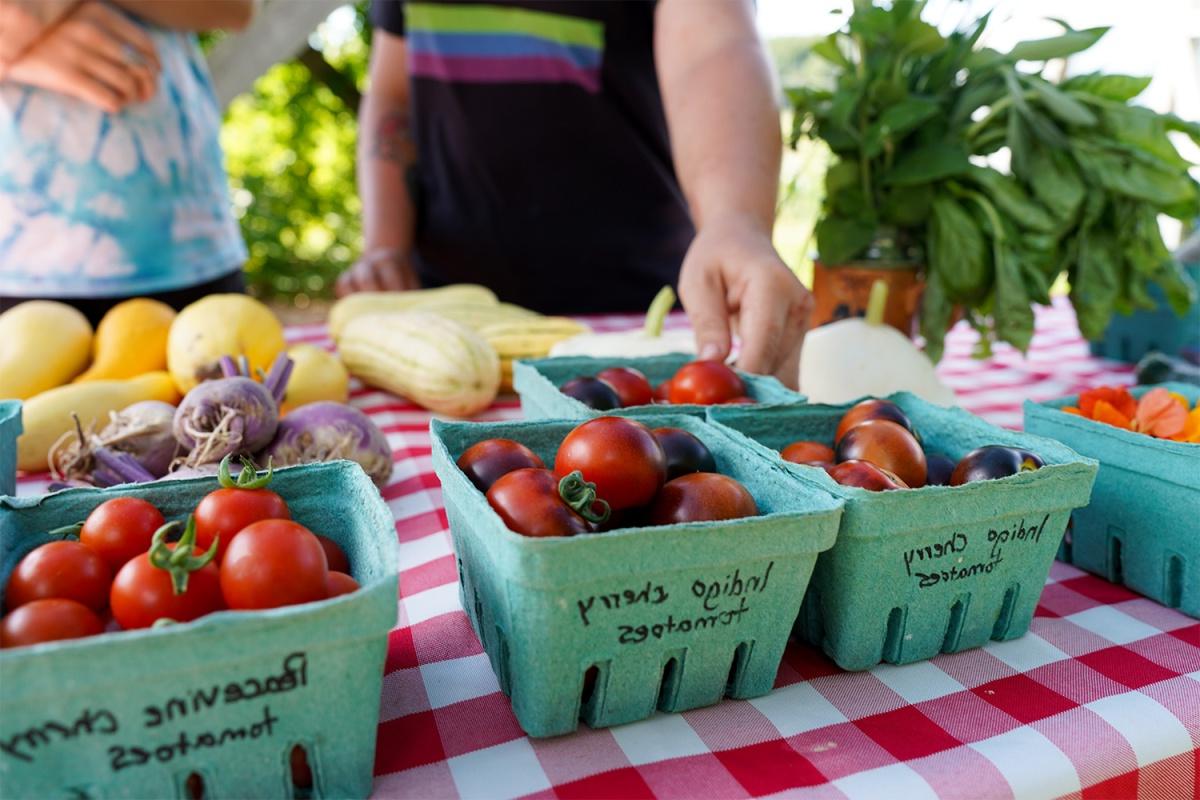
(1191, 428)
(1117, 397)
(1072, 410)
(1106, 412)
(1159, 414)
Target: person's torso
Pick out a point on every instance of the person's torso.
(544, 163)
(99, 205)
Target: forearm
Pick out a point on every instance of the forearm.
(385, 152)
(721, 112)
(23, 22)
(193, 15)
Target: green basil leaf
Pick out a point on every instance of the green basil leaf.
(1008, 196)
(842, 175)
(1120, 88)
(957, 249)
(1144, 130)
(1020, 147)
(1013, 313)
(936, 309)
(829, 49)
(928, 163)
(1178, 286)
(896, 121)
(918, 38)
(841, 239)
(1094, 284)
(1123, 174)
(1060, 46)
(1061, 104)
(907, 206)
(1191, 129)
(1055, 182)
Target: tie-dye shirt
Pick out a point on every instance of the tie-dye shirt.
(105, 205)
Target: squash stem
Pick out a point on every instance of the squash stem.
(877, 302)
(656, 315)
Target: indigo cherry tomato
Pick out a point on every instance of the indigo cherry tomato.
(531, 502)
(938, 469)
(706, 383)
(865, 475)
(700, 497)
(621, 456)
(339, 583)
(742, 400)
(485, 462)
(173, 580)
(872, 408)
(335, 557)
(66, 569)
(807, 452)
(630, 384)
(885, 444)
(50, 620)
(273, 563)
(994, 461)
(121, 528)
(593, 393)
(238, 503)
(684, 452)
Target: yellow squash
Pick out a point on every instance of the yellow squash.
(356, 305)
(317, 374)
(43, 344)
(130, 340)
(218, 325)
(47, 416)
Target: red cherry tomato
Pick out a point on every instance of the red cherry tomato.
(621, 456)
(121, 528)
(630, 385)
(699, 497)
(529, 502)
(143, 593)
(872, 408)
(865, 475)
(339, 583)
(806, 452)
(335, 557)
(227, 511)
(49, 620)
(272, 563)
(885, 444)
(485, 462)
(69, 570)
(662, 393)
(743, 400)
(706, 383)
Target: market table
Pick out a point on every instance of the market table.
(1101, 699)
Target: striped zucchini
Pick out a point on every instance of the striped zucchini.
(530, 338)
(356, 305)
(437, 363)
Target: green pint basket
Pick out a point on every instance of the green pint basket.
(609, 627)
(933, 570)
(222, 700)
(10, 429)
(1142, 528)
(538, 381)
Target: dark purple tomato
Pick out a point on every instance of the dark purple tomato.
(630, 384)
(994, 461)
(701, 497)
(593, 393)
(529, 502)
(865, 475)
(662, 393)
(885, 444)
(685, 453)
(485, 462)
(807, 452)
(872, 408)
(938, 469)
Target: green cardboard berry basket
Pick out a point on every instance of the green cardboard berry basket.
(537, 382)
(669, 618)
(1140, 529)
(10, 429)
(924, 571)
(137, 714)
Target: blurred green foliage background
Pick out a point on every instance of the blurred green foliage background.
(289, 148)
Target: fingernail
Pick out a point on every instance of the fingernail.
(710, 352)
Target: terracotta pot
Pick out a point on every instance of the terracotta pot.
(842, 291)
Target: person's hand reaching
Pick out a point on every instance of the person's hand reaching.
(732, 280)
(384, 269)
(95, 54)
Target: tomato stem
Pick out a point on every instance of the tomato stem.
(580, 495)
(180, 562)
(248, 478)
(66, 531)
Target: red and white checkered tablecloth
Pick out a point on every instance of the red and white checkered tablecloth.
(1100, 700)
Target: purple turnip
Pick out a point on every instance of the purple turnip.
(325, 431)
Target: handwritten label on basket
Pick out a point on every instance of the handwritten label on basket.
(251, 691)
(927, 563)
(709, 603)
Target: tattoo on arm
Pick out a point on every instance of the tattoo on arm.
(393, 138)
